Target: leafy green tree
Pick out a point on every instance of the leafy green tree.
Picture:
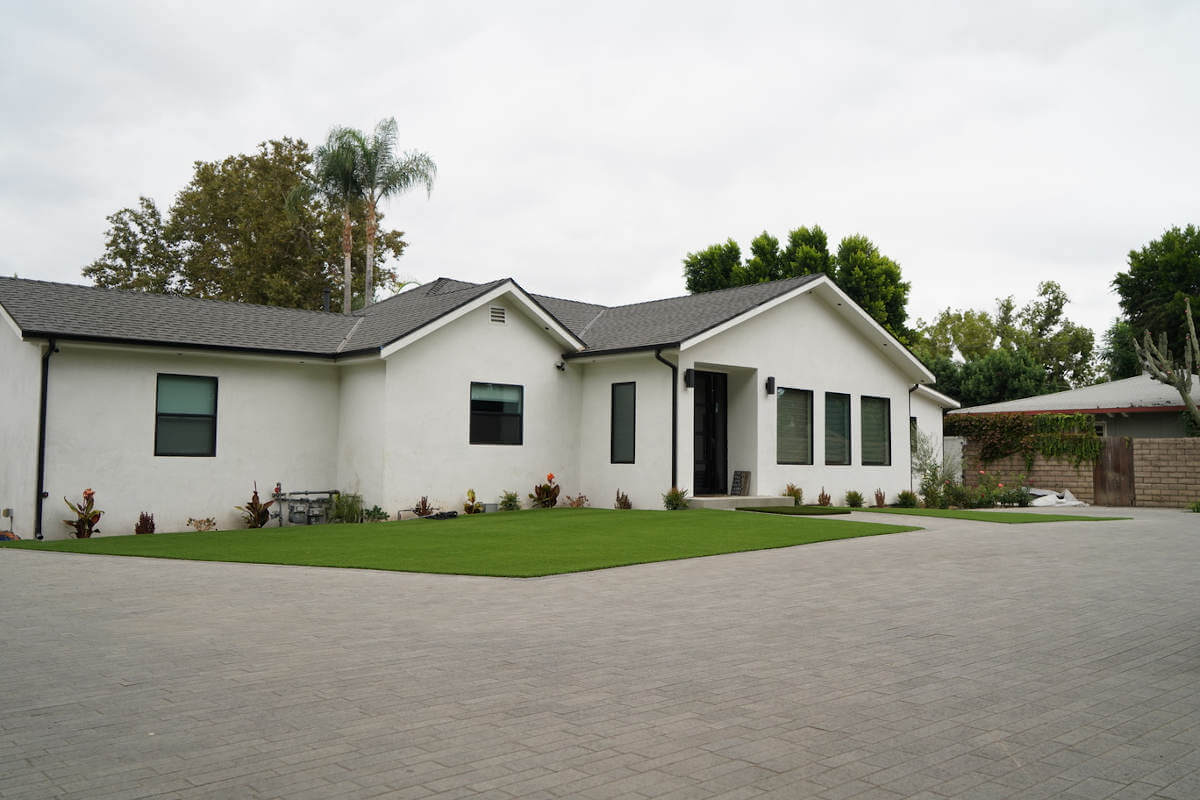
(1162, 277)
(713, 267)
(238, 232)
(1001, 375)
(871, 279)
(1118, 356)
(1063, 348)
(381, 174)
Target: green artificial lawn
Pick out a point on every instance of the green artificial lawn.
(514, 544)
(1010, 517)
(799, 511)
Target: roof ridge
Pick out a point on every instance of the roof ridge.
(569, 300)
(809, 276)
(144, 293)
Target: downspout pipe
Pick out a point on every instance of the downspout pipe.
(911, 485)
(674, 417)
(51, 348)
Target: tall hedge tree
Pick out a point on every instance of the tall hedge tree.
(232, 234)
(870, 278)
(1162, 277)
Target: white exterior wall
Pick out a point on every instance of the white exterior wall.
(929, 416)
(804, 344)
(428, 410)
(20, 364)
(277, 420)
(362, 425)
(649, 476)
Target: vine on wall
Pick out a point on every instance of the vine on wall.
(1053, 436)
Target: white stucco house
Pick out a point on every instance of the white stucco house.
(175, 405)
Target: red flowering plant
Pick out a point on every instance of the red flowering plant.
(86, 515)
(545, 495)
(256, 513)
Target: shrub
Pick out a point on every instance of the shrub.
(422, 508)
(796, 493)
(472, 506)
(86, 515)
(256, 513)
(675, 499)
(1018, 496)
(510, 501)
(545, 495)
(932, 487)
(622, 503)
(854, 499)
(375, 514)
(577, 502)
(906, 499)
(1195, 507)
(823, 499)
(880, 498)
(346, 507)
(201, 525)
(145, 523)
(955, 494)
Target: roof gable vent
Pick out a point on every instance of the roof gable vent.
(497, 314)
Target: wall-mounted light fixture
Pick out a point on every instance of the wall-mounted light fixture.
(771, 385)
(689, 378)
(561, 366)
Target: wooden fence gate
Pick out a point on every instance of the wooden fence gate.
(1112, 476)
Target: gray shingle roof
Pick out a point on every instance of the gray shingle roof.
(42, 308)
(1139, 392)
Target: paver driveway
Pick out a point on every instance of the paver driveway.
(969, 660)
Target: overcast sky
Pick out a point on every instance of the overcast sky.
(585, 148)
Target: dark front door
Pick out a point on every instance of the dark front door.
(1112, 477)
(710, 446)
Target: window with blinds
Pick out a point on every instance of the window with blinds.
(496, 413)
(793, 426)
(624, 419)
(185, 422)
(837, 428)
(876, 431)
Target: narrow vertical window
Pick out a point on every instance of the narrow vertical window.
(876, 431)
(793, 426)
(624, 422)
(837, 428)
(185, 422)
(497, 411)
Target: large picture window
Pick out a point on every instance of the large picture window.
(876, 431)
(624, 422)
(185, 422)
(793, 426)
(837, 428)
(496, 413)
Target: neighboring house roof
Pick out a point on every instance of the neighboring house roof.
(43, 309)
(1128, 396)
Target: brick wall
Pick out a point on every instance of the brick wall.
(1057, 475)
(1166, 472)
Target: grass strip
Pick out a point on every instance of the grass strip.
(1007, 517)
(519, 544)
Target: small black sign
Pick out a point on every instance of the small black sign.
(741, 483)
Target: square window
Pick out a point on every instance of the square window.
(185, 421)
(497, 410)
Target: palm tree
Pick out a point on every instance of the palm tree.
(336, 174)
(381, 174)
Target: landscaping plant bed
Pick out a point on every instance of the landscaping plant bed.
(798, 511)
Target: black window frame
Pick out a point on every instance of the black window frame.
(779, 392)
(472, 412)
(849, 431)
(612, 425)
(158, 416)
(887, 422)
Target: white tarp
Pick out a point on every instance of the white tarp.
(1047, 497)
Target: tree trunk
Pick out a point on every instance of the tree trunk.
(347, 248)
(370, 292)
